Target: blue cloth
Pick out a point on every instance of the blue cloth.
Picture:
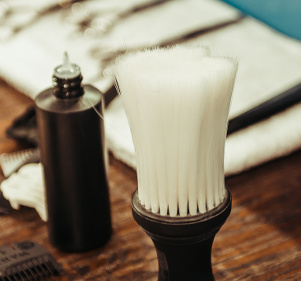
(282, 15)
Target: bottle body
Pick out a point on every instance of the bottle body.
(71, 142)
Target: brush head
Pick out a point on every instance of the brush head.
(177, 103)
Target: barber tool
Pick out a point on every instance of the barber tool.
(25, 188)
(177, 104)
(11, 162)
(27, 261)
(73, 155)
(17, 15)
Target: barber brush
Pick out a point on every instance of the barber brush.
(177, 103)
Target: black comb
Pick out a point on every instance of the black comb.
(26, 261)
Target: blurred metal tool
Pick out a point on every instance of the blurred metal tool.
(106, 55)
(15, 15)
(94, 18)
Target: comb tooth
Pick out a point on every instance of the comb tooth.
(15, 276)
(18, 274)
(28, 269)
(8, 277)
(11, 275)
(25, 269)
(38, 268)
(22, 273)
(41, 268)
(54, 268)
(32, 271)
(35, 263)
(35, 269)
(49, 267)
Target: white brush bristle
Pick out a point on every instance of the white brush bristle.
(177, 103)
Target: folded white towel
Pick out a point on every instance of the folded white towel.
(269, 63)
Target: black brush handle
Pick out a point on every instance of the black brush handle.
(183, 244)
(184, 259)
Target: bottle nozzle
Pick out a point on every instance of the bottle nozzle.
(67, 80)
(66, 62)
(67, 70)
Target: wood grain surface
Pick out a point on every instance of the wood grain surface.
(261, 240)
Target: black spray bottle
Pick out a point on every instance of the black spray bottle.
(71, 141)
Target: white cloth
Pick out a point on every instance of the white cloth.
(26, 188)
(269, 63)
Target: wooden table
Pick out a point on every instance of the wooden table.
(261, 240)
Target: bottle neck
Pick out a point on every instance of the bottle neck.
(67, 88)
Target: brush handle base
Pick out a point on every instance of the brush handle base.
(183, 244)
(180, 260)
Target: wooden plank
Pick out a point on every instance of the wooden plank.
(260, 241)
